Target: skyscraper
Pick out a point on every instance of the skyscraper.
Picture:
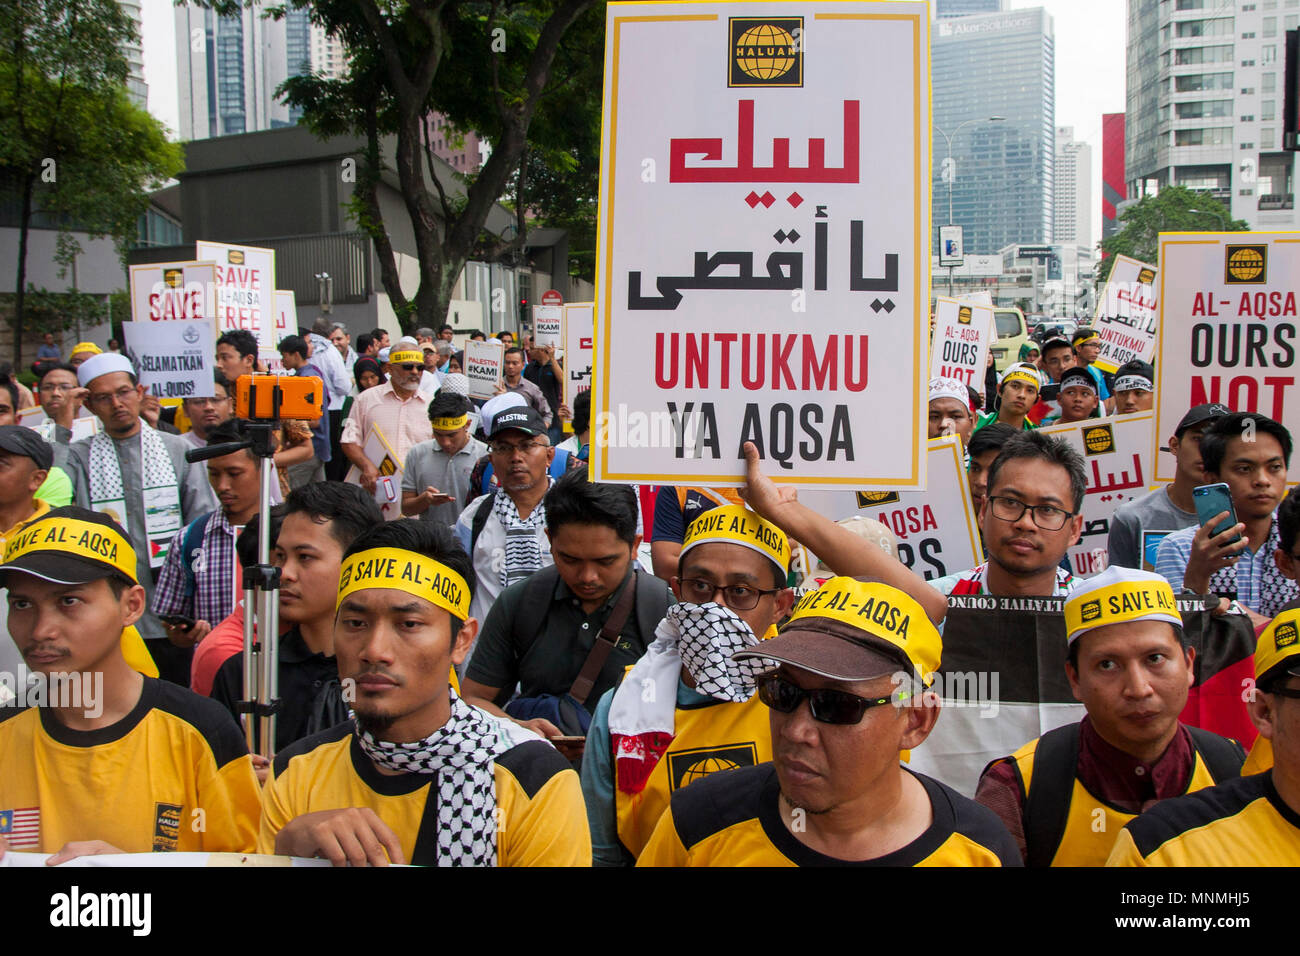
(995, 65)
(1072, 202)
(1204, 104)
(944, 9)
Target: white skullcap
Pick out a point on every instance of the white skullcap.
(949, 388)
(455, 382)
(384, 353)
(102, 364)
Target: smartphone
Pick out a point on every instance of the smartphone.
(1212, 500)
(1049, 393)
(566, 740)
(177, 621)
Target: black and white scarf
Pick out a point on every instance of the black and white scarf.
(461, 754)
(1275, 589)
(523, 552)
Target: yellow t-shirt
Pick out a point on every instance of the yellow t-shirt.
(1242, 822)
(542, 820)
(173, 774)
(732, 819)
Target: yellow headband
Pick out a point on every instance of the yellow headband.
(72, 536)
(450, 424)
(88, 347)
(407, 571)
(736, 524)
(405, 356)
(1118, 603)
(1023, 376)
(882, 611)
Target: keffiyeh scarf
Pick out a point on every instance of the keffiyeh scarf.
(160, 489)
(461, 755)
(1275, 589)
(523, 553)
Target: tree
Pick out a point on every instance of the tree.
(75, 147)
(1174, 209)
(499, 68)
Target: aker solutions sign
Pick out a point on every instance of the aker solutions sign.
(764, 243)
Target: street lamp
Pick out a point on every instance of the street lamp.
(1223, 222)
(950, 168)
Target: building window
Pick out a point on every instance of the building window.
(1248, 36)
(1268, 53)
(1266, 140)
(1292, 22)
(1247, 62)
(1246, 146)
(1270, 26)
(1245, 192)
(1204, 28)
(1269, 84)
(1268, 111)
(1247, 91)
(1195, 82)
(1212, 136)
(1248, 119)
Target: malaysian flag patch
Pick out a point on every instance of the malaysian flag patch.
(21, 828)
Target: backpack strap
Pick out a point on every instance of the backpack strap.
(1223, 757)
(1047, 804)
(480, 520)
(192, 542)
(605, 642)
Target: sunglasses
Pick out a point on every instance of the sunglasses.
(827, 706)
(410, 366)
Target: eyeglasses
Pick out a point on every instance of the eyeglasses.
(57, 388)
(738, 597)
(1045, 516)
(123, 394)
(827, 706)
(509, 447)
(410, 366)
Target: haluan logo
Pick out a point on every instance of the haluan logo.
(235, 257)
(870, 499)
(766, 51)
(1146, 276)
(1243, 264)
(173, 278)
(76, 909)
(1090, 611)
(963, 315)
(1098, 439)
(1285, 635)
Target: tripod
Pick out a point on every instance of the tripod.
(261, 590)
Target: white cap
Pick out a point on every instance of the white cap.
(1118, 595)
(384, 353)
(498, 404)
(456, 382)
(949, 388)
(104, 363)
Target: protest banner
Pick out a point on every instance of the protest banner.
(84, 425)
(963, 333)
(286, 313)
(936, 529)
(764, 244)
(388, 486)
(167, 291)
(1227, 330)
(173, 359)
(245, 282)
(483, 367)
(1126, 314)
(1117, 459)
(579, 330)
(548, 326)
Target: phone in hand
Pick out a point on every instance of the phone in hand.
(1212, 500)
(178, 621)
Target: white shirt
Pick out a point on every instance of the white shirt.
(326, 358)
(489, 553)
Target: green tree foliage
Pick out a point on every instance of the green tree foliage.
(73, 147)
(1175, 209)
(524, 75)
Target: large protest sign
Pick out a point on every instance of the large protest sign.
(579, 332)
(173, 359)
(1002, 682)
(963, 332)
(483, 367)
(935, 529)
(167, 291)
(1117, 461)
(1227, 329)
(1126, 314)
(764, 243)
(548, 326)
(245, 282)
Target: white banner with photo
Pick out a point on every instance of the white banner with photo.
(1127, 314)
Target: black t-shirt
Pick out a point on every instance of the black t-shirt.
(544, 378)
(546, 659)
(310, 693)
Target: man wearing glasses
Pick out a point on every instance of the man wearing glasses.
(685, 710)
(207, 413)
(398, 411)
(504, 532)
(1029, 520)
(836, 791)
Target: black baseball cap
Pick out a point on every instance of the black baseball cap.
(20, 440)
(523, 418)
(1200, 414)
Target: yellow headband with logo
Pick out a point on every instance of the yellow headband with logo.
(736, 524)
(405, 356)
(450, 424)
(1021, 375)
(395, 569)
(1280, 641)
(1132, 600)
(882, 611)
(72, 536)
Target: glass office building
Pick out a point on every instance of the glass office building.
(1000, 64)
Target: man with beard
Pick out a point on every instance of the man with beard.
(418, 776)
(1029, 520)
(396, 408)
(685, 709)
(842, 711)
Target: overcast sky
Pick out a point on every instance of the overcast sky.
(1090, 38)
